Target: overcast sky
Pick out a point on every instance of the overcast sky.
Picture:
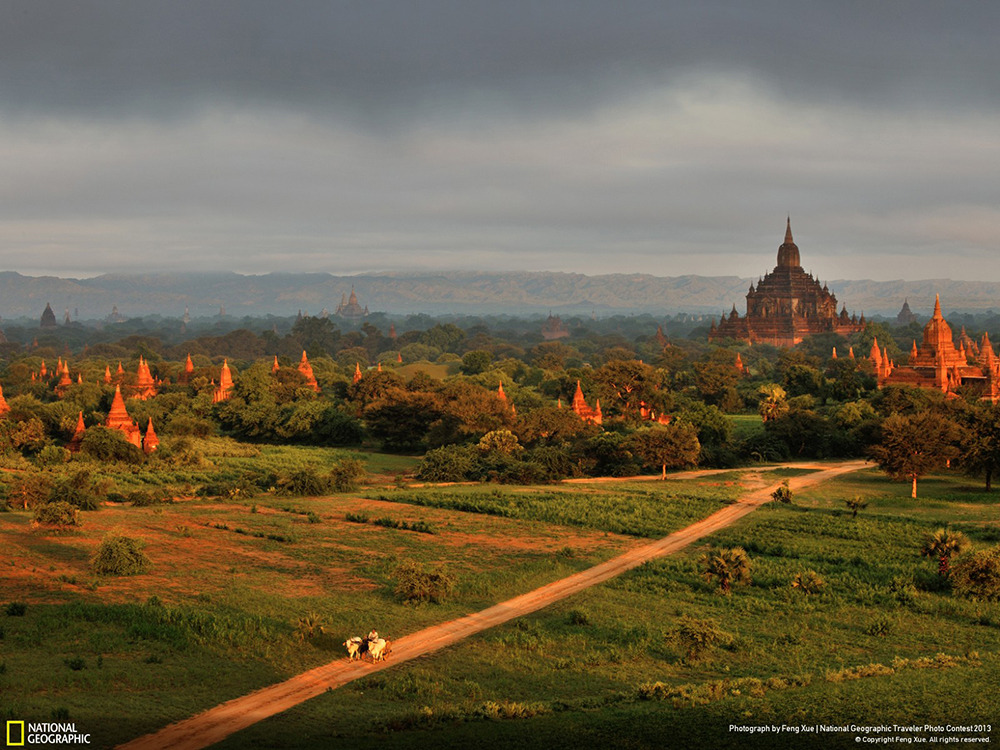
(598, 137)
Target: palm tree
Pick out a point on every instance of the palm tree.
(944, 544)
(729, 566)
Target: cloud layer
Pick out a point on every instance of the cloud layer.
(596, 137)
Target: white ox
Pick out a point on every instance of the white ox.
(379, 649)
(354, 647)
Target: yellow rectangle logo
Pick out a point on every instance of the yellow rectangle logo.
(10, 740)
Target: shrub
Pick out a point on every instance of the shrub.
(120, 556)
(452, 463)
(144, 498)
(76, 663)
(416, 585)
(51, 455)
(306, 482)
(347, 474)
(309, 626)
(578, 617)
(729, 566)
(808, 582)
(855, 504)
(56, 514)
(977, 576)
(880, 626)
(16, 609)
(242, 487)
(697, 636)
(356, 517)
(782, 494)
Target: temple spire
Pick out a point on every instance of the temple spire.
(788, 231)
(937, 307)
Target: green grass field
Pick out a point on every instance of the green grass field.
(864, 650)
(604, 667)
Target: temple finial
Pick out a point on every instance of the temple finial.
(788, 230)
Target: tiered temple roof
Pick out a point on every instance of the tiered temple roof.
(119, 419)
(350, 308)
(940, 364)
(787, 305)
(145, 386)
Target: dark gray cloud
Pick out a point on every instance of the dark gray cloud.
(382, 59)
(655, 137)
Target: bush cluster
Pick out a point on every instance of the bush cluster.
(119, 555)
(413, 584)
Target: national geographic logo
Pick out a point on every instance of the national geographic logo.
(20, 733)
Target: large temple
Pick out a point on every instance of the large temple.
(941, 365)
(787, 305)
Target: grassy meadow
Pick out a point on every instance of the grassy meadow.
(218, 613)
(882, 641)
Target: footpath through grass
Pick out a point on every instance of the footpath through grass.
(218, 614)
(882, 641)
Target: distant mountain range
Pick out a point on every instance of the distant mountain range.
(519, 293)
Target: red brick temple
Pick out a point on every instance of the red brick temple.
(579, 405)
(787, 305)
(225, 388)
(941, 365)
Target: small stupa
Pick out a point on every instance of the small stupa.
(225, 387)
(307, 372)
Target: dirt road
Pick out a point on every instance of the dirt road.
(217, 723)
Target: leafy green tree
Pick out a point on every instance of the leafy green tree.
(103, 444)
(913, 445)
(981, 447)
(715, 379)
(943, 545)
(500, 441)
(401, 419)
(628, 385)
(673, 445)
(444, 337)
(476, 361)
(549, 424)
(728, 566)
(449, 463)
(803, 380)
(773, 402)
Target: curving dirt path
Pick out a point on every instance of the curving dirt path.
(217, 723)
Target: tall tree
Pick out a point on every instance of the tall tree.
(675, 445)
(981, 447)
(913, 445)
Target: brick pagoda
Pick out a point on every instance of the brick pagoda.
(787, 306)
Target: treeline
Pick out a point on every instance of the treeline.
(436, 391)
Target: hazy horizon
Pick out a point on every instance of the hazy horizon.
(665, 139)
